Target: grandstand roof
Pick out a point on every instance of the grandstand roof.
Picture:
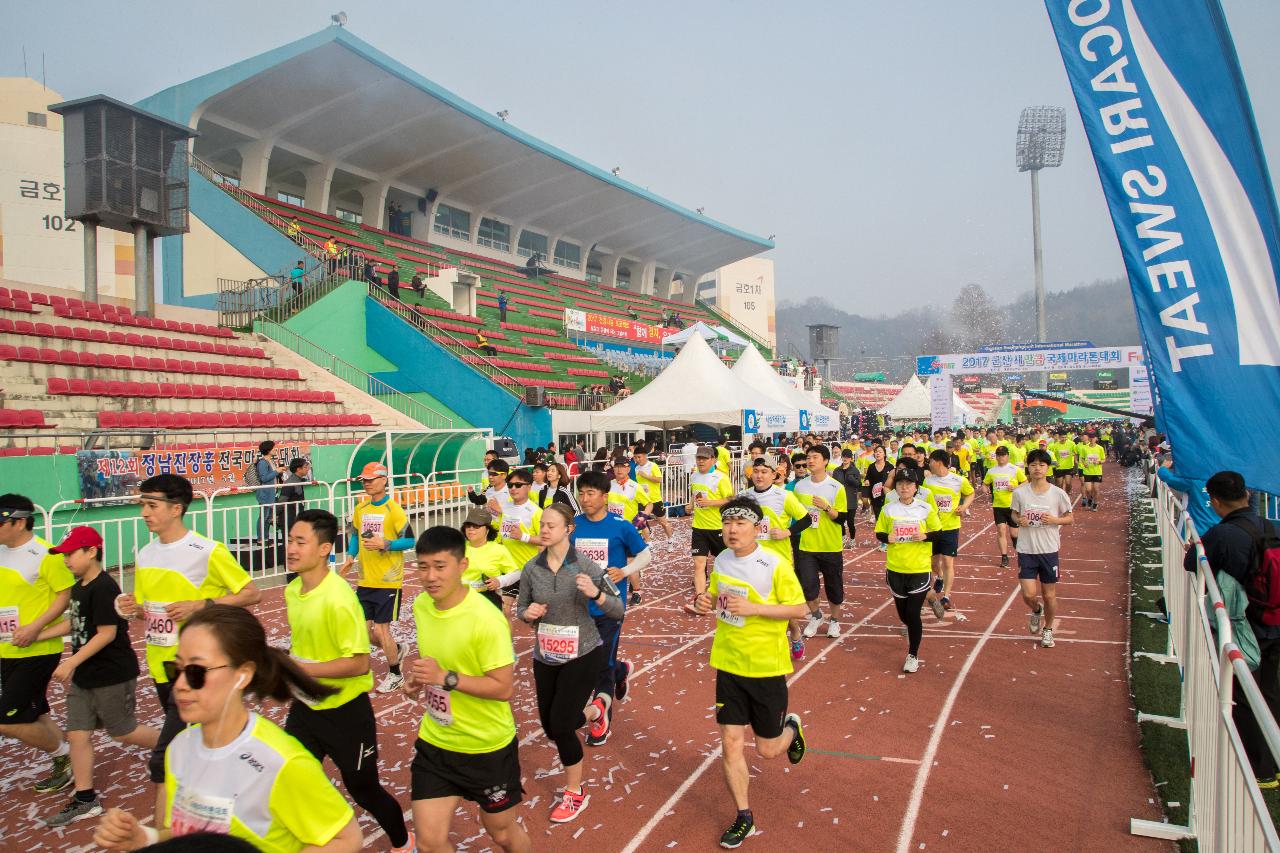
(331, 98)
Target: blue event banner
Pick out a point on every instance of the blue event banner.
(1172, 132)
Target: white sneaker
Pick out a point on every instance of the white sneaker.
(391, 683)
(912, 664)
(833, 628)
(1046, 638)
(1033, 624)
(811, 629)
(939, 612)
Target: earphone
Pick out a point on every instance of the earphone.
(240, 682)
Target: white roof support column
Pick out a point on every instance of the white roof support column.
(644, 285)
(420, 226)
(609, 270)
(690, 286)
(663, 286)
(375, 204)
(255, 156)
(319, 180)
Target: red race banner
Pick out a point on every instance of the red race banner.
(604, 326)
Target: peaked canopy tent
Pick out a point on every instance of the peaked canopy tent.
(694, 388)
(913, 404)
(698, 329)
(752, 369)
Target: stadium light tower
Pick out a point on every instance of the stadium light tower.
(1042, 133)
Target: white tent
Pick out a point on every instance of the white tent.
(913, 404)
(694, 388)
(756, 372)
(699, 329)
(731, 337)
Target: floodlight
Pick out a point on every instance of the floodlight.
(1042, 132)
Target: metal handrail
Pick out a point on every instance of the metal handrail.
(726, 321)
(352, 375)
(424, 325)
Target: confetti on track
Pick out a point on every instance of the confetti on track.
(1024, 718)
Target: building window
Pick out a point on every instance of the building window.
(453, 222)
(568, 255)
(532, 242)
(494, 234)
(289, 198)
(348, 216)
(37, 119)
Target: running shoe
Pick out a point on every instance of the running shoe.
(912, 664)
(935, 605)
(598, 729)
(1269, 784)
(937, 584)
(741, 830)
(634, 599)
(390, 683)
(409, 846)
(1046, 638)
(690, 608)
(797, 650)
(57, 780)
(620, 685)
(570, 806)
(1093, 507)
(883, 547)
(811, 629)
(833, 629)
(1004, 561)
(74, 811)
(1033, 624)
(795, 752)
(946, 604)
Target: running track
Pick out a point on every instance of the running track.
(994, 745)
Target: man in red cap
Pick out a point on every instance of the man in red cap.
(378, 536)
(101, 672)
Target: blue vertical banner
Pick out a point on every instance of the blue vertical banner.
(1172, 133)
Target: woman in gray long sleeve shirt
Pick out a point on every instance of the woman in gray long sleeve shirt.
(554, 591)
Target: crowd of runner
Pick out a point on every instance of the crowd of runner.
(561, 559)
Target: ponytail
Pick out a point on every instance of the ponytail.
(243, 639)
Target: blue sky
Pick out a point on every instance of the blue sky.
(875, 140)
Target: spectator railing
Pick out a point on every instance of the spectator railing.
(1226, 811)
(352, 375)
(728, 323)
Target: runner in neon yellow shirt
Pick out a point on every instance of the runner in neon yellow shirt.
(232, 771)
(490, 566)
(820, 554)
(330, 643)
(1001, 481)
(904, 527)
(649, 475)
(709, 489)
(466, 747)
(952, 495)
(1090, 455)
(753, 594)
(783, 516)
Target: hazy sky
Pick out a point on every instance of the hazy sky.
(874, 139)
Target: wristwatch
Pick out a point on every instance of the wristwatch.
(450, 680)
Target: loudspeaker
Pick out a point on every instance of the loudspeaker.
(422, 205)
(432, 195)
(536, 396)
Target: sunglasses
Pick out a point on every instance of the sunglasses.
(194, 672)
(512, 485)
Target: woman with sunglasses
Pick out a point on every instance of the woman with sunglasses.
(233, 771)
(555, 591)
(556, 489)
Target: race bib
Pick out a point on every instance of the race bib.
(944, 503)
(510, 528)
(905, 531)
(1001, 484)
(558, 643)
(617, 508)
(161, 629)
(371, 525)
(1065, 453)
(1034, 517)
(1092, 461)
(765, 529)
(481, 584)
(815, 515)
(8, 623)
(439, 707)
(723, 593)
(595, 550)
(196, 812)
(877, 490)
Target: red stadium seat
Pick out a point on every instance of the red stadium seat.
(57, 385)
(8, 352)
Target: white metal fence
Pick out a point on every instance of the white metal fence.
(1226, 811)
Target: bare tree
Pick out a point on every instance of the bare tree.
(978, 319)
